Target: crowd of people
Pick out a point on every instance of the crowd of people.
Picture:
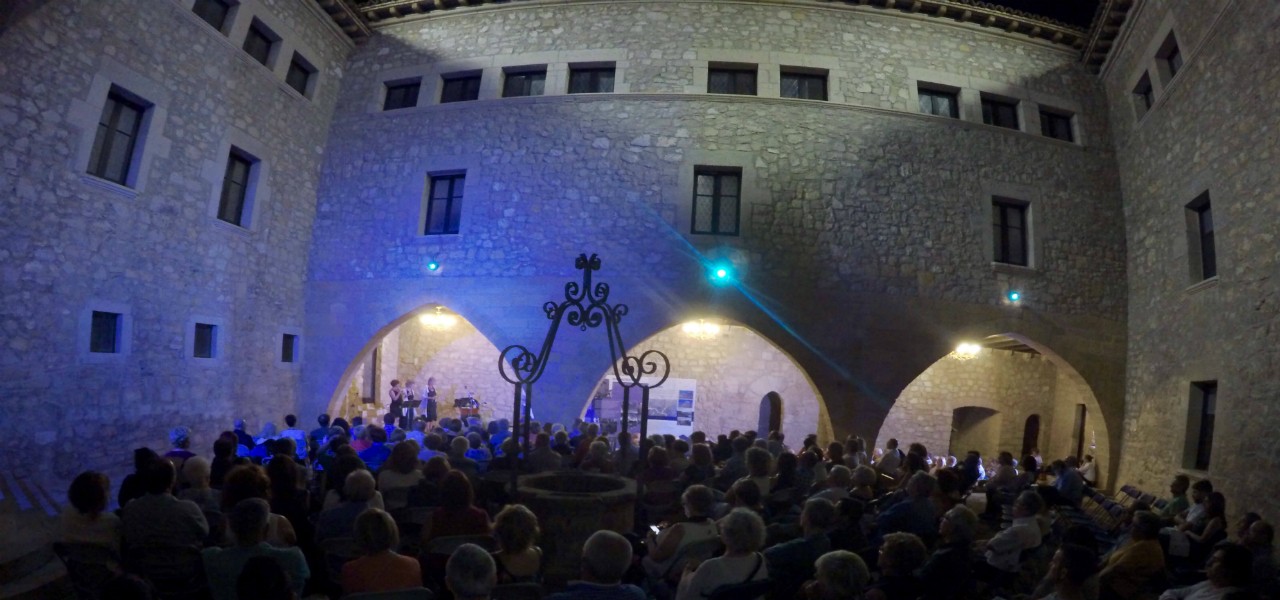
(739, 516)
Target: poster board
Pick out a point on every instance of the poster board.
(672, 407)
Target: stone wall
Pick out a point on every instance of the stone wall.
(865, 245)
(72, 242)
(1212, 129)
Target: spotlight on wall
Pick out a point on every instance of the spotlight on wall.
(433, 266)
(438, 319)
(701, 329)
(966, 351)
(721, 273)
(1013, 296)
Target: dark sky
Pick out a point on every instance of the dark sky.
(1071, 12)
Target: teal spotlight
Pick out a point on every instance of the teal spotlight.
(433, 266)
(721, 273)
(1014, 296)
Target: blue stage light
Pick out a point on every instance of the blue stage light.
(721, 273)
(433, 266)
(1014, 296)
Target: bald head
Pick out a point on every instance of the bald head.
(605, 557)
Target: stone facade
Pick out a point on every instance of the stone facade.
(1212, 128)
(152, 250)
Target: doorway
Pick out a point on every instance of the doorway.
(1030, 434)
(770, 414)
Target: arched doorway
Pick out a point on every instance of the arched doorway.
(974, 428)
(1017, 378)
(1030, 435)
(723, 378)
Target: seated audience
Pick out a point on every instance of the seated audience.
(666, 547)
(458, 459)
(864, 484)
(399, 475)
(1067, 489)
(784, 478)
(1258, 539)
(224, 456)
(838, 575)
(916, 514)
(742, 533)
(1070, 570)
(340, 521)
(701, 469)
(839, 478)
(900, 556)
(735, 466)
(196, 472)
(1178, 502)
(242, 437)
(1214, 529)
(345, 465)
(792, 563)
(469, 574)
(948, 574)
(263, 578)
(377, 452)
(86, 520)
(158, 521)
(379, 569)
(759, 462)
(179, 448)
(1089, 471)
(543, 458)
(457, 514)
(1230, 571)
(1193, 519)
(248, 521)
(1132, 567)
(318, 435)
(605, 559)
(298, 436)
(134, 486)
(1004, 550)
(518, 558)
(597, 459)
(250, 481)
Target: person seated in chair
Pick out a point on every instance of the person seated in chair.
(87, 520)
(518, 558)
(742, 533)
(605, 558)
(838, 575)
(948, 574)
(158, 520)
(792, 563)
(470, 573)
(1230, 570)
(380, 569)
(900, 556)
(1131, 567)
(248, 521)
(1004, 551)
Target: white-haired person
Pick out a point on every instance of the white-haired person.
(948, 573)
(470, 573)
(606, 556)
(196, 473)
(358, 492)
(667, 545)
(838, 575)
(380, 568)
(742, 533)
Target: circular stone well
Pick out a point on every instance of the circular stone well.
(574, 505)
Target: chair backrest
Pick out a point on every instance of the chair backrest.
(1149, 499)
(337, 551)
(449, 543)
(396, 497)
(89, 567)
(407, 594)
(517, 591)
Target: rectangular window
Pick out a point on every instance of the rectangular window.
(104, 333)
(444, 204)
(731, 79)
(460, 88)
(717, 198)
(113, 146)
(1056, 125)
(1202, 244)
(1143, 97)
(1001, 113)
(213, 12)
(235, 188)
(1203, 408)
(299, 75)
(1009, 229)
(402, 94)
(806, 85)
(288, 348)
(258, 42)
(591, 80)
(206, 341)
(1170, 56)
(942, 103)
(524, 82)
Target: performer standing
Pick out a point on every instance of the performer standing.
(429, 410)
(397, 398)
(406, 414)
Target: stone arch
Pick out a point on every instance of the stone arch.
(460, 357)
(1030, 379)
(770, 415)
(735, 371)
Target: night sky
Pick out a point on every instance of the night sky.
(1071, 12)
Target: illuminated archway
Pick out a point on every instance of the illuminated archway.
(430, 342)
(1014, 376)
(729, 368)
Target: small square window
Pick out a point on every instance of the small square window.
(259, 42)
(731, 79)
(115, 144)
(1143, 96)
(1056, 125)
(206, 341)
(1202, 413)
(444, 204)
(1170, 57)
(402, 94)
(213, 12)
(524, 82)
(1001, 113)
(1009, 229)
(237, 188)
(939, 102)
(104, 333)
(460, 88)
(591, 79)
(300, 74)
(803, 84)
(1201, 244)
(289, 348)
(717, 200)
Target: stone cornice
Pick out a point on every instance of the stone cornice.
(357, 17)
(1107, 24)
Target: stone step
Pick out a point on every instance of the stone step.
(28, 528)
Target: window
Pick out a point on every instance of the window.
(939, 102)
(444, 204)
(591, 79)
(1001, 113)
(1009, 226)
(732, 79)
(524, 82)
(260, 42)
(1056, 125)
(236, 188)
(1200, 421)
(289, 348)
(1170, 57)
(460, 88)
(1143, 97)
(717, 196)
(104, 333)
(299, 75)
(206, 341)
(1202, 250)
(117, 137)
(806, 85)
(213, 12)
(402, 94)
